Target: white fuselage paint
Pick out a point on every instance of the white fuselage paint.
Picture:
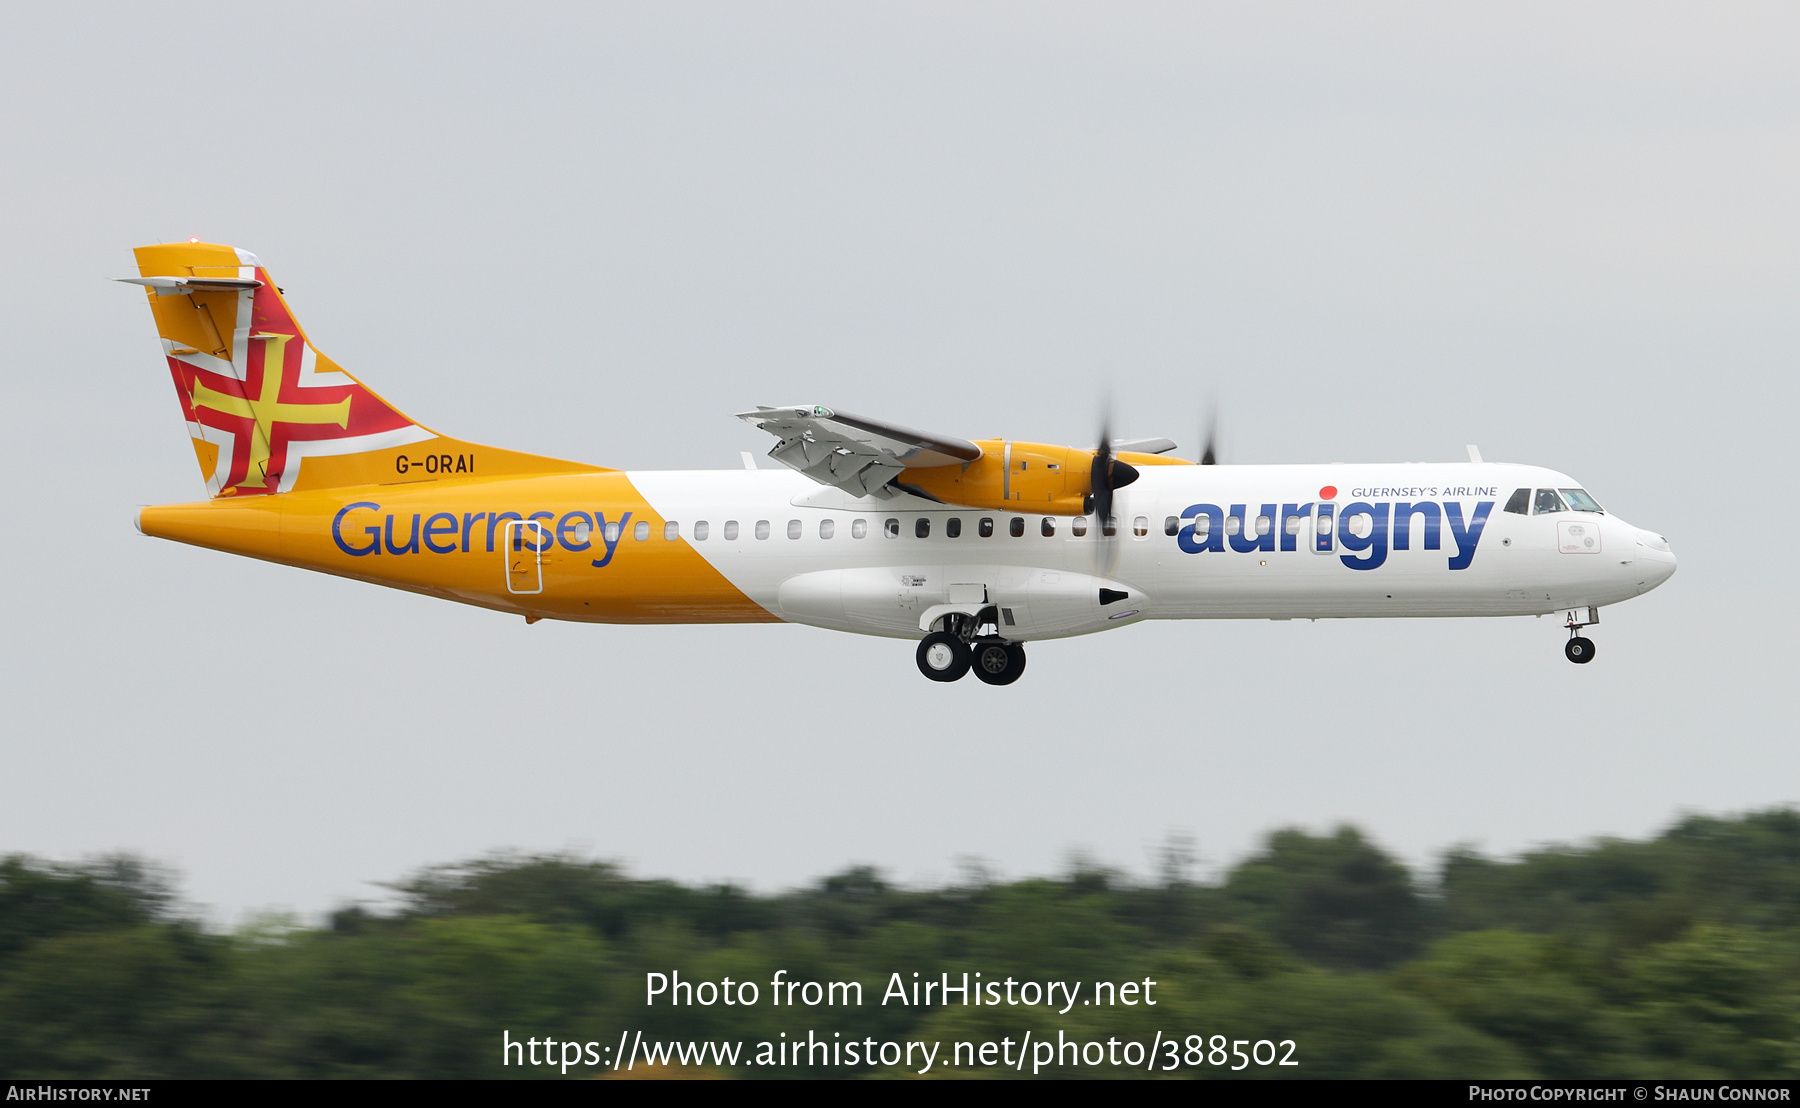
(883, 585)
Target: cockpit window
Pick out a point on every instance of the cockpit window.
(1580, 501)
(1520, 503)
(1547, 501)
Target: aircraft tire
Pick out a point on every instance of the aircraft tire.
(1579, 650)
(998, 663)
(943, 657)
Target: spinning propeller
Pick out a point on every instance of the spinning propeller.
(1209, 455)
(1108, 474)
(1105, 476)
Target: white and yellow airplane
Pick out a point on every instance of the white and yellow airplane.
(972, 548)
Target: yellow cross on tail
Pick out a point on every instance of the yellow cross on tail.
(268, 409)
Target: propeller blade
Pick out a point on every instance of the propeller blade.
(1103, 478)
(1100, 482)
(1209, 455)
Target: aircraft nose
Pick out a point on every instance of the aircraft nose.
(1656, 561)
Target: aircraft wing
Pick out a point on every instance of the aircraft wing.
(851, 452)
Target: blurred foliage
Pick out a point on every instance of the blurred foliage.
(1676, 957)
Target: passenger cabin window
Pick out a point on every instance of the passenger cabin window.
(611, 531)
(793, 528)
(1048, 527)
(1016, 528)
(731, 529)
(1110, 527)
(953, 527)
(1078, 526)
(1291, 525)
(1580, 501)
(762, 528)
(701, 527)
(859, 529)
(642, 531)
(581, 530)
(671, 531)
(1520, 502)
(1234, 524)
(1141, 526)
(922, 527)
(827, 528)
(891, 528)
(1264, 525)
(1172, 526)
(1547, 501)
(986, 527)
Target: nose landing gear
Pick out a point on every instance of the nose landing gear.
(1579, 649)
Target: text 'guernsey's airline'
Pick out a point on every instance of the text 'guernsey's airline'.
(972, 548)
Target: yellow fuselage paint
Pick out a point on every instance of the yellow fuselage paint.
(451, 539)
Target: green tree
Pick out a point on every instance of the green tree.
(38, 900)
(127, 1002)
(428, 999)
(1719, 1002)
(1518, 989)
(1336, 899)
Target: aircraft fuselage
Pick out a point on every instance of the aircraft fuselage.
(1192, 542)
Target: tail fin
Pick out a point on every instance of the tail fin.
(267, 412)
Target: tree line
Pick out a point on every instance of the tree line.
(1673, 957)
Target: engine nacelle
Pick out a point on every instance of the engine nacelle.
(1024, 477)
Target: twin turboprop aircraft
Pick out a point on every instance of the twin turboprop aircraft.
(971, 548)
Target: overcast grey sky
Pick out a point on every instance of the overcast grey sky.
(1566, 233)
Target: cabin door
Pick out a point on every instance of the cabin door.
(526, 542)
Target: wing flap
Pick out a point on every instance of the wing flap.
(854, 453)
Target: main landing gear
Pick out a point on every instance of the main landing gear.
(944, 656)
(1579, 649)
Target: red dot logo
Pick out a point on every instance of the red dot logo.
(1329, 492)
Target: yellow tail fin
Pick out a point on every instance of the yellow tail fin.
(267, 412)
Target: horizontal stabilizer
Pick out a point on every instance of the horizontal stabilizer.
(184, 286)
